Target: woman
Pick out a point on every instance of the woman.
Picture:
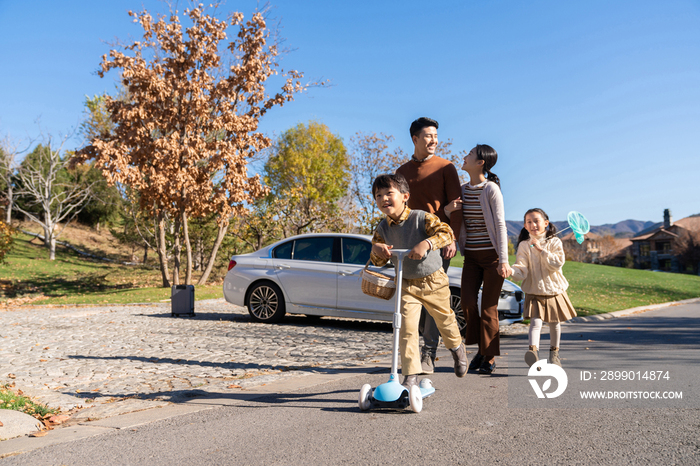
(483, 241)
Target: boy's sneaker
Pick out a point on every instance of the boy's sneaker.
(427, 361)
(459, 354)
(531, 357)
(554, 356)
(409, 381)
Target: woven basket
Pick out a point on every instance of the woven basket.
(377, 284)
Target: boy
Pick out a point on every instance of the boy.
(424, 282)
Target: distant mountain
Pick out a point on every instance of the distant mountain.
(624, 229)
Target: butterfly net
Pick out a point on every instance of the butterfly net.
(579, 225)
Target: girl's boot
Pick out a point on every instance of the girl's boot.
(554, 356)
(531, 357)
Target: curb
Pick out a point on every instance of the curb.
(631, 311)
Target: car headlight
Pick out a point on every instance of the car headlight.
(518, 295)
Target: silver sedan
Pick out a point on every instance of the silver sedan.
(319, 275)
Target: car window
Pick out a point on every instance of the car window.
(283, 251)
(318, 249)
(356, 251)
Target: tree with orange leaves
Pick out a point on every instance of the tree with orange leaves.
(185, 134)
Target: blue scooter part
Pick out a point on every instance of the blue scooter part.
(390, 391)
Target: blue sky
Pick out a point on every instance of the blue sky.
(592, 106)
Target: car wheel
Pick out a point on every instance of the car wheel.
(456, 305)
(266, 303)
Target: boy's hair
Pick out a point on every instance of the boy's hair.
(551, 229)
(390, 181)
(421, 123)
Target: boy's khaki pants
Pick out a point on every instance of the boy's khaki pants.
(433, 292)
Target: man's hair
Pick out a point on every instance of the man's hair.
(390, 181)
(421, 123)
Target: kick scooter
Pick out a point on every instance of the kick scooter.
(392, 394)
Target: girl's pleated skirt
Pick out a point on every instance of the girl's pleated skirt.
(556, 308)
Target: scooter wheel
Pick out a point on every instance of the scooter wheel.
(363, 399)
(415, 398)
(426, 383)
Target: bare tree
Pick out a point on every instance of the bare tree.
(185, 135)
(58, 200)
(370, 157)
(8, 166)
(687, 248)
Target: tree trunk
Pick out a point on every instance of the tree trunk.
(162, 250)
(52, 248)
(145, 253)
(48, 233)
(214, 250)
(176, 252)
(188, 248)
(10, 204)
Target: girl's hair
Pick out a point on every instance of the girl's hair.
(551, 229)
(489, 155)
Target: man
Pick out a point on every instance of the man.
(433, 182)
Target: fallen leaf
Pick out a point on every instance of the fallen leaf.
(41, 433)
(10, 376)
(60, 419)
(43, 360)
(0, 423)
(234, 386)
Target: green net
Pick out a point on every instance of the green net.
(578, 224)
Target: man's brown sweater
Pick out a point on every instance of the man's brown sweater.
(433, 184)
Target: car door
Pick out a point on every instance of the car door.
(306, 271)
(355, 253)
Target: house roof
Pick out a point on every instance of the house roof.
(687, 223)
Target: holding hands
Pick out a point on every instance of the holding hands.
(504, 270)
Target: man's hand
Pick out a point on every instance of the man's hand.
(419, 250)
(449, 251)
(382, 250)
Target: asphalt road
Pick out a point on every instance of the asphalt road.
(474, 420)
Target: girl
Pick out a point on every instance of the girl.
(539, 261)
(483, 241)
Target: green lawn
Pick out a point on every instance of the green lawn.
(72, 279)
(596, 289)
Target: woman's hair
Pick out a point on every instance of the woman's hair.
(551, 228)
(390, 181)
(489, 155)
